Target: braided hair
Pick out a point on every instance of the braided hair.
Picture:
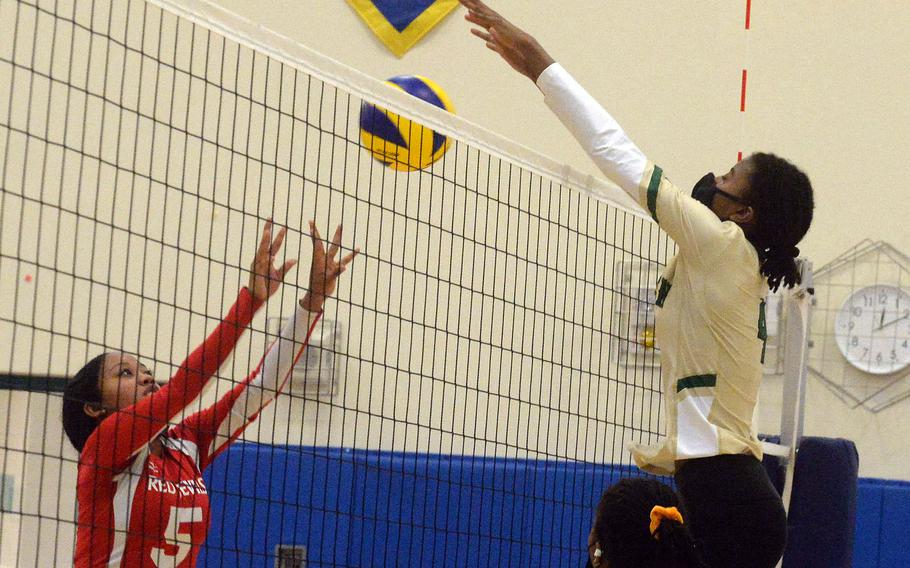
(84, 388)
(622, 527)
(781, 196)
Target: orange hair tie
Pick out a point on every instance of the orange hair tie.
(659, 513)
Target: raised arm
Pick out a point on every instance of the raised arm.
(122, 434)
(214, 428)
(689, 223)
(126, 431)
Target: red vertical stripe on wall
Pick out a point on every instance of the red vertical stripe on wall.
(748, 13)
(742, 97)
(739, 156)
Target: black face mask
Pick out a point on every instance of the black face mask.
(706, 188)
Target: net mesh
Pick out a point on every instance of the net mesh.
(471, 386)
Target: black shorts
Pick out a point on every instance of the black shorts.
(733, 511)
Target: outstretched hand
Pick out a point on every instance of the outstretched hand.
(325, 269)
(518, 48)
(265, 277)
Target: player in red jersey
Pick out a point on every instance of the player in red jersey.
(142, 500)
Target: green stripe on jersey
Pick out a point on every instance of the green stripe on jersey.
(762, 330)
(656, 175)
(662, 292)
(696, 381)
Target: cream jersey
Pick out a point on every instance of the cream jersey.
(710, 298)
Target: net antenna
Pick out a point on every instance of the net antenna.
(795, 310)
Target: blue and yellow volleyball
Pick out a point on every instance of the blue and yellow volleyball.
(398, 142)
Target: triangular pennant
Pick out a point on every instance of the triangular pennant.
(402, 23)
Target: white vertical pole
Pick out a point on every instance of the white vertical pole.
(797, 305)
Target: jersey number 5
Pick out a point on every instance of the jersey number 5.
(178, 518)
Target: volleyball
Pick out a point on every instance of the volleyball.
(397, 142)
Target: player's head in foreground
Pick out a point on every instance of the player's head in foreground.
(640, 523)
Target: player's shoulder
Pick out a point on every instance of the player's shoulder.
(740, 262)
(178, 440)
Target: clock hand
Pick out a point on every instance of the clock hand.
(881, 321)
(892, 322)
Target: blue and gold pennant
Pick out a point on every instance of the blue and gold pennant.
(402, 23)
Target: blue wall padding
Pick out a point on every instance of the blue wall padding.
(882, 520)
(894, 542)
(869, 496)
(368, 508)
(822, 515)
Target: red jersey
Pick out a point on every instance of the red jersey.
(139, 509)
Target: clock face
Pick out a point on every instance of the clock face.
(872, 329)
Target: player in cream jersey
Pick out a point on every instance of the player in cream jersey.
(737, 236)
(142, 499)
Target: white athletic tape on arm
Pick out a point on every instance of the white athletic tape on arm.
(276, 369)
(282, 355)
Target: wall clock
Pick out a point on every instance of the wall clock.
(860, 330)
(872, 329)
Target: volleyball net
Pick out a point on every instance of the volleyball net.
(474, 380)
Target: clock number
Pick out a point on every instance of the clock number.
(856, 311)
(854, 341)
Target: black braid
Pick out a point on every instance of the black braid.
(781, 196)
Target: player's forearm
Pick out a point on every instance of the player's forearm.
(279, 361)
(599, 134)
(205, 360)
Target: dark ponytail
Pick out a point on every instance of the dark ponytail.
(622, 527)
(674, 546)
(82, 389)
(781, 196)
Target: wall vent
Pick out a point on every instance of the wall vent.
(290, 556)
